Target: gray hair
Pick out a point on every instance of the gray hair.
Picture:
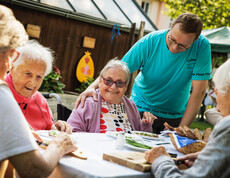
(12, 32)
(222, 78)
(35, 52)
(115, 63)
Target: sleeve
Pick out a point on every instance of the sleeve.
(164, 166)
(16, 137)
(80, 118)
(134, 58)
(134, 117)
(44, 106)
(50, 117)
(203, 68)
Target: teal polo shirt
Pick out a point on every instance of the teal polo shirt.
(164, 82)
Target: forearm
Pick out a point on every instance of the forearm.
(36, 163)
(192, 108)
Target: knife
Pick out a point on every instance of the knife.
(178, 162)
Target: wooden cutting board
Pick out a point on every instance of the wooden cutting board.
(133, 160)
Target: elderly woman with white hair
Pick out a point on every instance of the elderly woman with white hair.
(33, 63)
(214, 160)
(113, 111)
(17, 144)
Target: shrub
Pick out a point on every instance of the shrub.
(84, 85)
(51, 83)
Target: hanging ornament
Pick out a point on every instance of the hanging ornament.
(85, 68)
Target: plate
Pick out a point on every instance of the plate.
(147, 135)
(114, 134)
(136, 148)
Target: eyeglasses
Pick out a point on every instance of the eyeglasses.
(15, 56)
(118, 84)
(173, 42)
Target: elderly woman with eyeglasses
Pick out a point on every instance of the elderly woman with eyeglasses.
(214, 160)
(29, 68)
(113, 111)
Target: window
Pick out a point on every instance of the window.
(145, 6)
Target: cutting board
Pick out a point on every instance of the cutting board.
(133, 160)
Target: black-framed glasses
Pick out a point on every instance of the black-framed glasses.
(173, 42)
(110, 82)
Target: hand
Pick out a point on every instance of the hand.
(148, 117)
(64, 141)
(62, 126)
(81, 98)
(154, 153)
(190, 158)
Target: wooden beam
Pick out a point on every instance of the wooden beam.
(134, 74)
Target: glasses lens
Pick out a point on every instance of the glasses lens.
(120, 84)
(107, 82)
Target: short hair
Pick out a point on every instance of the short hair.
(116, 63)
(221, 77)
(189, 23)
(12, 32)
(35, 52)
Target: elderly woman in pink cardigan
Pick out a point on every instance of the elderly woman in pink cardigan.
(113, 111)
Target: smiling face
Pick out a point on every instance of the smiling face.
(113, 94)
(28, 77)
(223, 102)
(177, 41)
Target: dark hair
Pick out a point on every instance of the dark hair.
(189, 23)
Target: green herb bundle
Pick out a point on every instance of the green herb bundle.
(137, 144)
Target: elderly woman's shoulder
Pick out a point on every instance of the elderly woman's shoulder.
(90, 99)
(39, 97)
(128, 100)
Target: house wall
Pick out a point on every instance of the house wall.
(64, 36)
(156, 8)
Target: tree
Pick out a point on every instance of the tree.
(214, 13)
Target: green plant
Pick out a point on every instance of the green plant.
(84, 85)
(51, 83)
(201, 125)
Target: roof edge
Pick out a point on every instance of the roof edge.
(69, 14)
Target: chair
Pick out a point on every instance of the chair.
(63, 112)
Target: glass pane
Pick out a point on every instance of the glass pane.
(112, 12)
(134, 14)
(58, 3)
(86, 7)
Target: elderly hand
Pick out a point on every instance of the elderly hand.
(81, 98)
(148, 118)
(154, 153)
(64, 141)
(62, 126)
(190, 158)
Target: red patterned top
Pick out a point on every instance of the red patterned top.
(114, 118)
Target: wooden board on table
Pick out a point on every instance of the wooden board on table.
(133, 160)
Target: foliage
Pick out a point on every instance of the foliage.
(51, 83)
(218, 59)
(214, 13)
(84, 85)
(201, 125)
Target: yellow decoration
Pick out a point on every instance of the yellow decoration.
(85, 68)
